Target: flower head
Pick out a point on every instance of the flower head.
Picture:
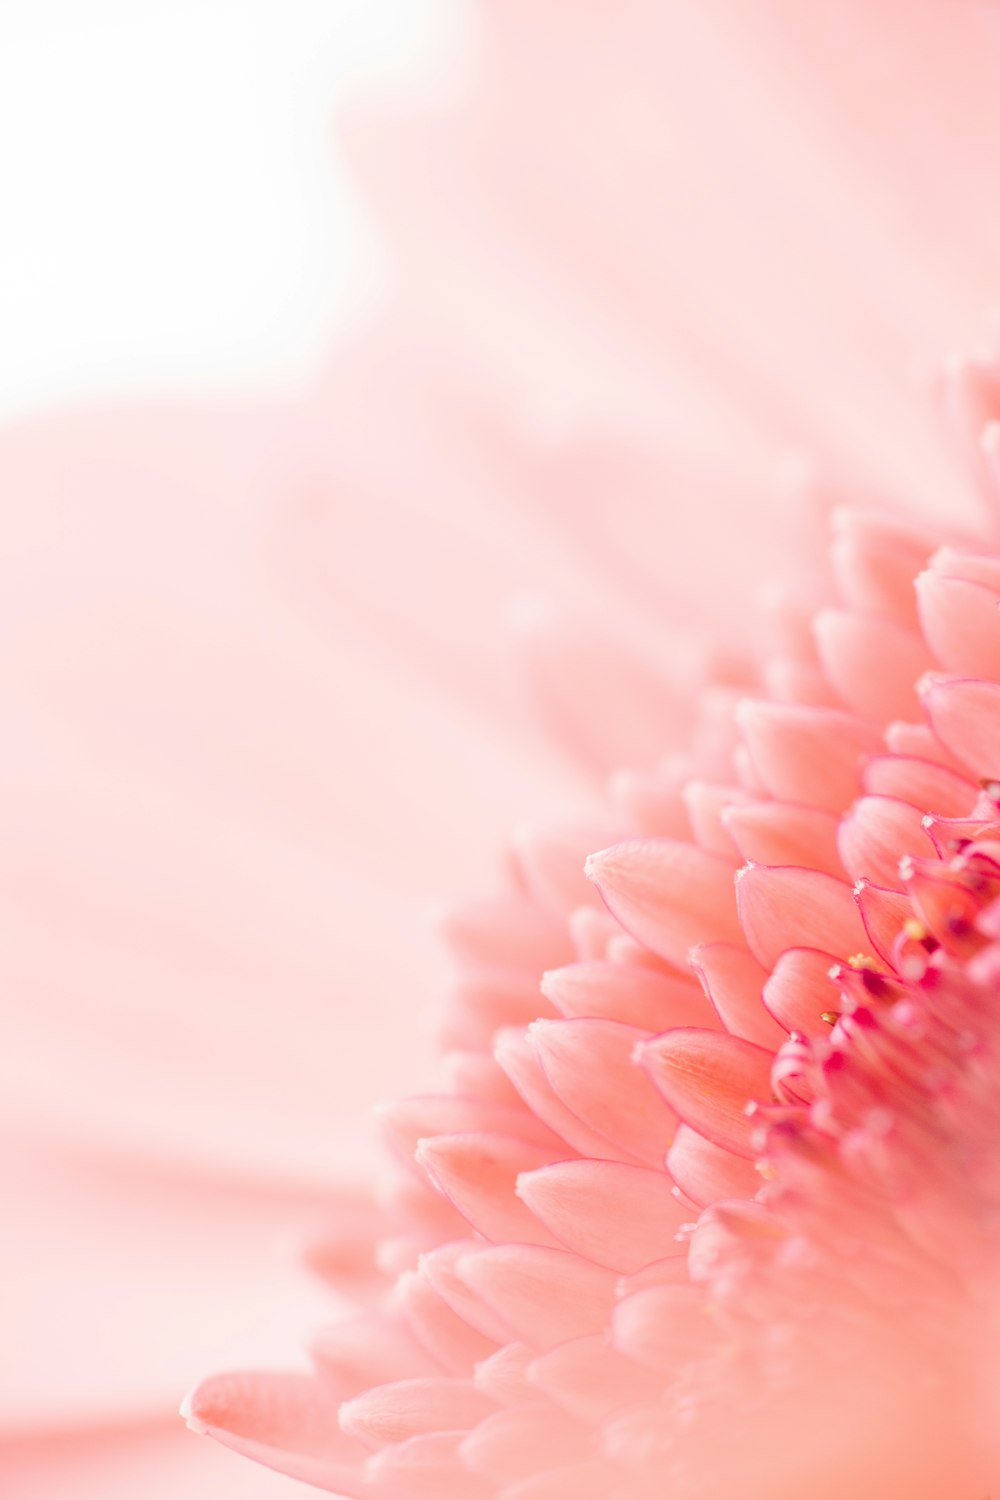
(709, 1197)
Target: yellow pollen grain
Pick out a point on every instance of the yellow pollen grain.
(914, 929)
(865, 961)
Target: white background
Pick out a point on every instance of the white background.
(174, 216)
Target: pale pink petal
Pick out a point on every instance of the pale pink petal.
(667, 894)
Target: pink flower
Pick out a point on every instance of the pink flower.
(583, 328)
(740, 1162)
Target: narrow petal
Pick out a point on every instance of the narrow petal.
(733, 980)
(477, 1171)
(875, 560)
(807, 755)
(876, 834)
(965, 715)
(518, 1054)
(961, 622)
(872, 662)
(662, 1326)
(409, 1408)
(523, 1440)
(590, 1065)
(633, 995)
(926, 784)
(448, 1339)
(799, 990)
(704, 1172)
(406, 1121)
(883, 913)
(785, 833)
(710, 1079)
(785, 907)
(283, 1420)
(544, 1296)
(504, 1375)
(427, 1467)
(667, 894)
(620, 1216)
(589, 1378)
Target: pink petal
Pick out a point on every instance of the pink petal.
(709, 1078)
(625, 992)
(807, 755)
(617, 1215)
(926, 784)
(544, 1296)
(875, 560)
(800, 990)
(733, 980)
(961, 622)
(504, 1375)
(876, 834)
(447, 1338)
(785, 833)
(883, 913)
(477, 1171)
(705, 1172)
(426, 1467)
(872, 662)
(589, 1378)
(518, 1054)
(667, 894)
(410, 1408)
(785, 907)
(590, 1066)
(965, 716)
(523, 1440)
(286, 1421)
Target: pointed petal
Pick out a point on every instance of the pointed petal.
(807, 755)
(517, 1053)
(733, 980)
(873, 663)
(961, 622)
(883, 913)
(477, 1171)
(283, 1420)
(590, 1065)
(620, 1216)
(410, 1408)
(589, 1378)
(710, 1079)
(965, 715)
(799, 990)
(523, 1440)
(544, 1296)
(785, 907)
(705, 1173)
(876, 834)
(785, 833)
(634, 995)
(667, 894)
(926, 784)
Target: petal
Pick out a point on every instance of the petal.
(589, 1378)
(800, 990)
(710, 1079)
(617, 1215)
(876, 834)
(628, 993)
(284, 1420)
(523, 1440)
(705, 1173)
(965, 715)
(411, 1408)
(807, 755)
(961, 622)
(873, 663)
(518, 1054)
(544, 1296)
(667, 894)
(477, 1171)
(590, 1065)
(924, 783)
(792, 908)
(733, 980)
(785, 833)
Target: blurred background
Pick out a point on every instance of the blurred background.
(177, 214)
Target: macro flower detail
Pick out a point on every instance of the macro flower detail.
(715, 1148)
